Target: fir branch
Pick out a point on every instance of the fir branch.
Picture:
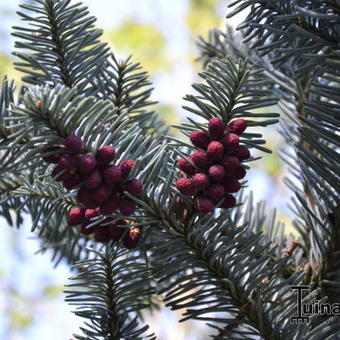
(48, 115)
(109, 290)
(63, 47)
(43, 199)
(9, 178)
(203, 276)
(205, 264)
(225, 271)
(128, 87)
(6, 99)
(64, 243)
(314, 99)
(123, 81)
(304, 35)
(232, 89)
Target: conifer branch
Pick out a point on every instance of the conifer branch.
(311, 110)
(109, 290)
(231, 268)
(128, 87)
(65, 45)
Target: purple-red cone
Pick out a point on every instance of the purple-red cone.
(200, 159)
(204, 204)
(228, 201)
(102, 233)
(93, 179)
(186, 166)
(216, 127)
(185, 186)
(76, 216)
(200, 181)
(73, 144)
(87, 163)
(200, 139)
(134, 187)
(105, 154)
(109, 206)
(237, 126)
(215, 150)
(113, 174)
(126, 167)
(213, 173)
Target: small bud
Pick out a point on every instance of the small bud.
(109, 206)
(200, 139)
(85, 195)
(228, 201)
(112, 174)
(87, 162)
(91, 213)
(41, 34)
(200, 159)
(131, 238)
(216, 127)
(134, 187)
(242, 153)
(76, 216)
(215, 150)
(239, 173)
(73, 144)
(200, 181)
(216, 173)
(105, 154)
(93, 180)
(102, 193)
(230, 142)
(102, 234)
(237, 126)
(38, 103)
(186, 166)
(204, 204)
(232, 186)
(67, 161)
(126, 167)
(230, 163)
(185, 186)
(215, 192)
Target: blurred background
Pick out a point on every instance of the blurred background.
(161, 35)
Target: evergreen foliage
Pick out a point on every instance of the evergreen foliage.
(108, 290)
(231, 268)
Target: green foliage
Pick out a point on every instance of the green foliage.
(297, 47)
(231, 268)
(64, 48)
(65, 45)
(125, 84)
(232, 89)
(9, 180)
(303, 34)
(108, 290)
